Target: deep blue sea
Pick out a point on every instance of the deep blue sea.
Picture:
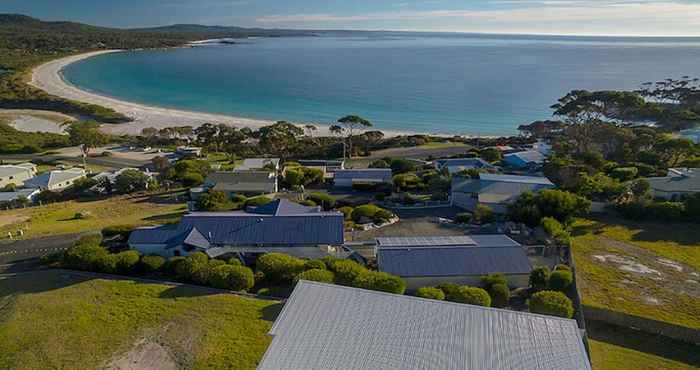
(445, 83)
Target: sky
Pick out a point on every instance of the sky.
(564, 17)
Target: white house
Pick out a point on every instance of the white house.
(56, 180)
(495, 191)
(678, 183)
(16, 174)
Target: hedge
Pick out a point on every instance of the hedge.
(127, 261)
(490, 280)
(84, 256)
(539, 277)
(430, 293)
(324, 200)
(278, 267)
(315, 265)
(257, 201)
(500, 295)
(232, 277)
(151, 264)
(380, 281)
(346, 271)
(548, 302)
(319, 275)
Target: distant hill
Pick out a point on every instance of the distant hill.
(23, 32)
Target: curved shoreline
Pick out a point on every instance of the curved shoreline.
(48, 77)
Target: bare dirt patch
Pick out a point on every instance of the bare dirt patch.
(145, 355)
(11, 219)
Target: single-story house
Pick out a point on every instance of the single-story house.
(463, 260)
(243, 182)
(495, 191)
(16, 174)
(13, 196)
(327, 166)
(56, 180)
(279, 226)
(460, 164)
(677, 184)
(111, 176)
(325, 326)
(259, 164)
(189, 151)
(526, 159)
(367, 176)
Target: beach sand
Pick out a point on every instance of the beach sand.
(48, 78)
(30, 120)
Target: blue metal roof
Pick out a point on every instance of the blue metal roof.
(463, 162)
(515, 179)
(451, 261)
(484, 240)
(282, 207)
(383, 174)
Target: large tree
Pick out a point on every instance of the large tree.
(87, 134)
(352, 124)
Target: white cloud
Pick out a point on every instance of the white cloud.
(612, 17)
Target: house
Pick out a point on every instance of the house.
(188, 151)
(525, 159)
(463, 260)
(14, 196)
(16, 174)
(495, 191)
(677, 184)
(328, 167)
(368, 176)
(56, 180)
(243, 182)
(280, 226)
(111, 176)
(324, 326)
(272, 164)
(460, 164)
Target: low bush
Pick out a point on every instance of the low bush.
(382, 216)
(450, 290)
(380, 281)
(364, 213)
(490, 280)
(257, 201)
(500, 295)
(118, 230)
(346, 271)
(624, 173)
(560, 280)
(127, 261)
(92, 239)
(322, 199)
(188, 269)
(308, 203)
(562, 267)
(472, 295)
(430, 293)
(150, 264)
(279, 268)
(171, 266)
(319, 275)
(463, 218)
(314, 265)
(106, 264)
(190, 179)
(84, 256)
(539, 277)
(346, 211)
(239, 278)
(552, 303)
(483, 214)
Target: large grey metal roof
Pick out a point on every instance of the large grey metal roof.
(463, 162)
(490, 240)
(453, 261)
(528, 156)
(379, 174)
(326, 326)
(515, 178)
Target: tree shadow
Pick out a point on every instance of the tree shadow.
(271, 312)
(166, 218)
(186, 291)
(643, 342)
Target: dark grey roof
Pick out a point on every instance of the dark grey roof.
(453, 261)
(463, 162)
(281, 207)
(156, 235)
(321, 162)
(499, 188)
(379, 174)
(528, 156)
(299, 252)
(243, 181)
(515, 179)
(491, 240)
(680, 180)
(325, 326)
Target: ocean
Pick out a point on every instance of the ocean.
(432, 83)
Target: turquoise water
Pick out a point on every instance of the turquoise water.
(461, 84)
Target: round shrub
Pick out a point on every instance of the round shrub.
(151, 264)
(257, 201)
(548, 302)
(492, 279)
(106, 264)
(172, 265)
(346, 211)
(314, 265)
(190, 179)
(189, 268)
(232, 277)
(382, 216)
(308, 203)
(472, 295)
(560, 280)
(500, 295)
(320, 275)
(364, 212)
(562, 267)
(539, 277)
(380, 281)
(84, 256)
(279, 267)
(324, 200)
(234, 261)
(346, 271)
(463, 218)
(430, 293)
(118, 230)
(127, 261)
(92, 239)
(450, 290)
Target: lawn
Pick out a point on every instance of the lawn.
(57, 320)
(614, 348)
(646, 269)
(59, 218)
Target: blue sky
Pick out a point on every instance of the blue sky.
(583, 17)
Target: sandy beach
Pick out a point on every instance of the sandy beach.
(48, 78)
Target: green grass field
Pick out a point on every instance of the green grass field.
(614, 348)
(59, 218)
(655, 278)
(57, 320)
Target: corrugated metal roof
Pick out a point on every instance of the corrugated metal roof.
(515, 178)
(463, 162)
(326, 326)
(688, 182)
(486, 240)
(258, 163)
(529, 156)
(281, 207)
(10, 196)
(453, 261)
(51, 178)
(381, 174)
